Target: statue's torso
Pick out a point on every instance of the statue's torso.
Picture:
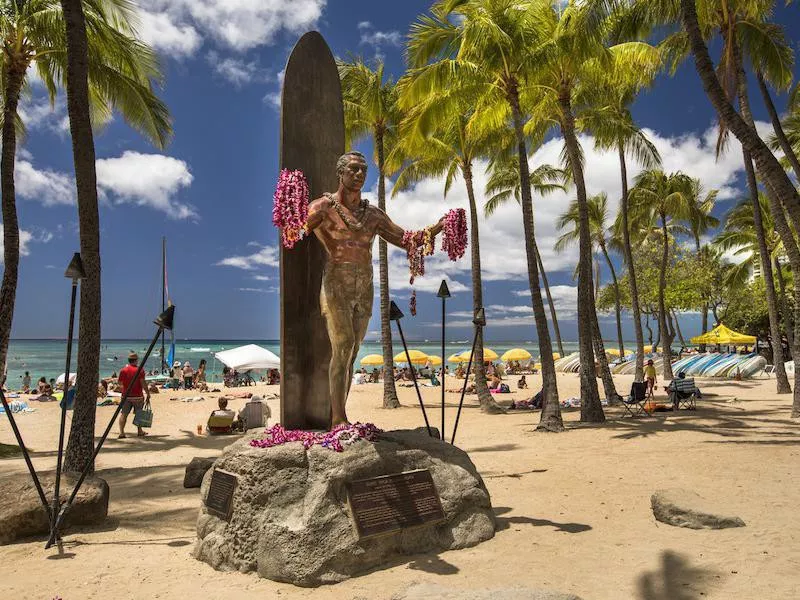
(346, 245)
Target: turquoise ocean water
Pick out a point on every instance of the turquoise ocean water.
(47, 357)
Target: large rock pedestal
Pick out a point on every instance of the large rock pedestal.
(22, 514)
(291, 521)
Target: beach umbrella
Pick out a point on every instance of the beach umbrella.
(516, 354)
(457, 358)
(556, 356)
(417, 357)
(488, 354)
(435, 360)
(72, 376)
(372, 360)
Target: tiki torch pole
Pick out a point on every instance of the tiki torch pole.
(75, 272)
(444, 294)
(395, 314)
(480, 322)
(163, 321)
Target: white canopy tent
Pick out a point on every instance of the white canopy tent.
(248, 357)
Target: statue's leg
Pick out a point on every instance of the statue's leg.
(337, 310)
(362, 313)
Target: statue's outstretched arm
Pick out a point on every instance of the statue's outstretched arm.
(393, 233)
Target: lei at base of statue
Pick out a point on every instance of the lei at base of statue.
(290, 206)
(420, 244)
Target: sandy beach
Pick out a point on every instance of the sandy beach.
(573, 509)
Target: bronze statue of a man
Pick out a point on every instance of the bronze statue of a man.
(347, 224)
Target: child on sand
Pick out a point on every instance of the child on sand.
(650, 377)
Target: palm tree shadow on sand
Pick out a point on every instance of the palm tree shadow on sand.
(676, 579)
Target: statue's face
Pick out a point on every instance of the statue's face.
(354, 174)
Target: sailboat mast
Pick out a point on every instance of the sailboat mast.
(163, 295)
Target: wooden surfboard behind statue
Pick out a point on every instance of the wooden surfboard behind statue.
(312, 139)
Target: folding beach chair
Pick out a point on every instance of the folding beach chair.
(682, 393)
(634, 404)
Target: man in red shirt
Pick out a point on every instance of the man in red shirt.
(138, 394)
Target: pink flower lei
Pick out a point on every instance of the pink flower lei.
(455, 233)
(336, 439)
(290, 206)
(418, 244)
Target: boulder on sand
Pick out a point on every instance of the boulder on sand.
(685, 508)
(195, 471)
(22, 513)
(291, 522)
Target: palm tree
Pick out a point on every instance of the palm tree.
(447, 149)
(120, 73)
(370, 109)
(700, 222)
(614, 129)
(598, 215)
(662, 200)
(486, 49)
(753, 234)
(503, 182)
(781, 140)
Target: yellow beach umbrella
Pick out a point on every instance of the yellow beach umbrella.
(516, 354)
(417, 357)
(488, 354)
(457, 358)
(435, 360)
(556, 355)
(372, 360)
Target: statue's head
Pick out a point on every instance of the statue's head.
(351, 168)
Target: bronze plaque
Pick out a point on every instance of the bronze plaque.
(219, 500)
(393, 502)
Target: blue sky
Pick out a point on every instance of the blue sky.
(210, 191)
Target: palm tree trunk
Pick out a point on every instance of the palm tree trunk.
(649, 332)
(768, 166)
(617, 303)
(81, 436)
(678, 328)
(390, 399)
(14, 76)
(553, 316)
(609, 388)
(591, 409)
(786, 313)
(665, 336)
(780, 134)
(781, 379)
(481, 388)
(550, 419)
(704, 311)
(626, 237)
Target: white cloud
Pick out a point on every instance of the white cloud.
(270, 290)
(565, 298)
(237, 24)
(166, 33)
(235, 70)
(25, 238)
(151, 180)
(263, 278)
(51, 188)
(500, 260)
(266, 256)
(378, 39)
(38, 114)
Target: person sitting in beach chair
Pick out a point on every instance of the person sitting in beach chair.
(639, 394)
(682, 392)
(222, 419)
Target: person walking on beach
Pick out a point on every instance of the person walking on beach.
(26, 382)
(650, 377)
(188, 375)
(138, 394)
